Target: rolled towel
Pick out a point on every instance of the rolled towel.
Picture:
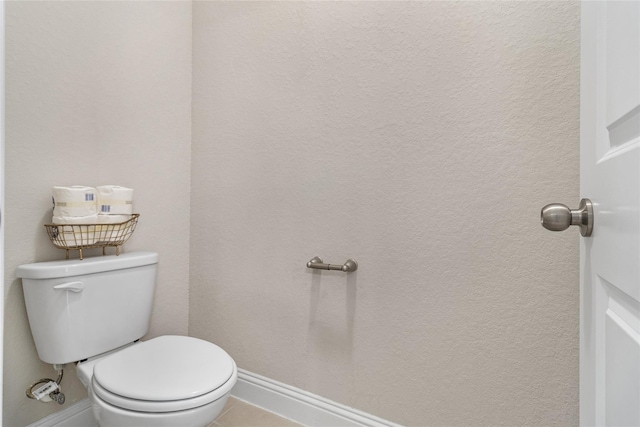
(115, 200)
(74, 201)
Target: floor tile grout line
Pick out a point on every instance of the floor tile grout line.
(231, 403)
(230, 416)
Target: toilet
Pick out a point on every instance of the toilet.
(93, 312)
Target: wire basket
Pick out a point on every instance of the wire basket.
(86, 236)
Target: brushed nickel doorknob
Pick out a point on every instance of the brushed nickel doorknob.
(558, 217)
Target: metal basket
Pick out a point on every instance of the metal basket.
(86, 236)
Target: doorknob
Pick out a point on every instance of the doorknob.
(558, 217)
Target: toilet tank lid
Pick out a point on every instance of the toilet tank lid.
(76, 267)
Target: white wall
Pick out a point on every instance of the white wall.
(97, 93)
(421, 139)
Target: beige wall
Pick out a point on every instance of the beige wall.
(97, 93)
(421, 139)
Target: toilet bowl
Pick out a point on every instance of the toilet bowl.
(167, 381)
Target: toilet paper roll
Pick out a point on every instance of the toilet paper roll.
(74, 235)
(77, 230)
(89, 219)
(113, 229)
(74, 201)
(112, 219)
(115, 200)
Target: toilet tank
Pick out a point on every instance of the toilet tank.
(82, 308)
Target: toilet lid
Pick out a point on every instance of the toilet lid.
(164, 369)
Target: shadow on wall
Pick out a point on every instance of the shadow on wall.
(329, 335)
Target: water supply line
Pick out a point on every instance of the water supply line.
(48, 390)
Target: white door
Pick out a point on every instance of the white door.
(610, 177)
(1, 193)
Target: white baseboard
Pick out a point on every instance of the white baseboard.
(286, 401)
(77, 415)
(298, 405)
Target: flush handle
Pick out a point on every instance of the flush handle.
(558, 217)
(70, 286)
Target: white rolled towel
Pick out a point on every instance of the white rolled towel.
(115, 200)
(74, 201)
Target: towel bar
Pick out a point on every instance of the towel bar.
(349, 266)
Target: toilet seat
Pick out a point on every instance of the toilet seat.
(161, 406)
(164, 374)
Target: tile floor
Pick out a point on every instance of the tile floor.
(237, 413)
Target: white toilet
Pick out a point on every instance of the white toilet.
(93, 311)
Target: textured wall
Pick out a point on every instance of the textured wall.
(421, 139)
(97, 93)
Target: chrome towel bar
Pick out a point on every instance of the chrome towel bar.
(349, 266)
